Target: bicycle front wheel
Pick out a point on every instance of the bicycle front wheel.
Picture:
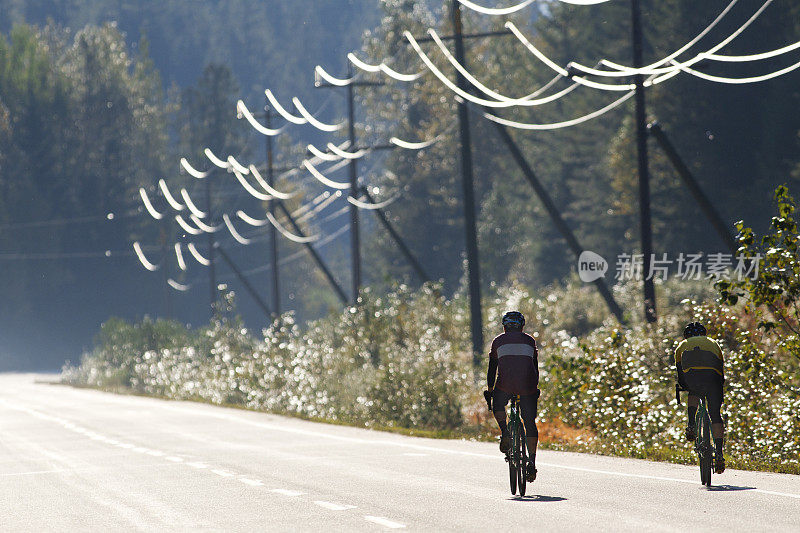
(512, 467)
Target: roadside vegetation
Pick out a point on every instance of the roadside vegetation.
(401, 361)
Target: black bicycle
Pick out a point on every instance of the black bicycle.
(517, 454)
(702, 442)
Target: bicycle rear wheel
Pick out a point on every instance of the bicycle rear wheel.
(522, 461)
(705, 446)
(510, 457)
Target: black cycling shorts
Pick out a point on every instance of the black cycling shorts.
(528, 404)
(707, 384)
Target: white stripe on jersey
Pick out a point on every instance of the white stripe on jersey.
(515, 349)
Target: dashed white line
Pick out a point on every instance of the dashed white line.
(155, 453)
(286, 492)
(139, 449)
(174, 459)
(334, 506)
(198, 465)
(383, 522)
(251, 482)
(415, 454)
(223, 473)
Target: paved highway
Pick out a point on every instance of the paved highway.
(74, 459)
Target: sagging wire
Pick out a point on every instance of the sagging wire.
(203, 226)
(267, 187)
(497, 11)
(178, 286)
(242, 111)
(186, 227)
(288, 234)
(339, 82)
(344, 154)
(739, 81)
(249, 188)
(751, 57)
(142, 259)
(250, 220)
(280, 109)
(315, 201)
(197, 255)
(235, 234)
(179, 256)
(176, 205)
(527, 100)
(321, 177)
(316, 152)
(383, 67)
(216, 160)
(313, 121)
(191, 205)
(697, 58)
(320, 207)
(370, 206)
(647, 68)
(193, 171)
(149, 206)
(410, 145)
(559, 125)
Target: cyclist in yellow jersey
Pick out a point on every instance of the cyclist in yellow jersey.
(699, 363)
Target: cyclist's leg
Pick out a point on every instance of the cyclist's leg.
(714, 399)
(528, 406)
(499, 401)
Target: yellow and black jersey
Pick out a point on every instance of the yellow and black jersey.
(699, 353)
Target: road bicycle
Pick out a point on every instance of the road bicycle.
(517, 454)
(702, 442)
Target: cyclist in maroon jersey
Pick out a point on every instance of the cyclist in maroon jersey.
(514, 361)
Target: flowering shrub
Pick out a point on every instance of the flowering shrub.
(403, 360)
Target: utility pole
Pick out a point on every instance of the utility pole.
(212, 274)
(644, 174)
(164, 251)
(355, 245)
(273, 237)
(473, 268)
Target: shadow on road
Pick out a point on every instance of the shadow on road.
(727, 488)
(537, 498)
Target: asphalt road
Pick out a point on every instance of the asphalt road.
(75, 459)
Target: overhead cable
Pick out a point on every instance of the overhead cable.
(315, 201)
(698, 57)
(496, 10)
(344, 153)
(367, 205)
(739, 81)
(186, 227)
(328, 201)
(339, 82)
(244, 112)
(267, 187)
(280, 109)
(178, 286)
(383, 67)
(289, 235)
(191, 205)
(235, 164)
(142, 259)
(647, 69)
(235, 234)
(249, 188)
(316, 152)
(313, 121)
(324, 180)
(149, 206)
(193, 171)
(751, 57)
(559, 125)
(203, 226)
(197, 255)
(179, 256)
(408, 145)
(216, 160)
(176, 205)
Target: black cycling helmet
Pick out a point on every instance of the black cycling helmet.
(694, 329)
(513, 320)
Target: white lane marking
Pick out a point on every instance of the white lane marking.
(126, 445)
(416, 454)
(383, 522)
(223, 473)
(155, 453)
(286, 492)
(355, 440)
(139, 449)
(198, 465)
(251, 482)
(173, 459)
(334, 506)
(34, 472)
(113, 442)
